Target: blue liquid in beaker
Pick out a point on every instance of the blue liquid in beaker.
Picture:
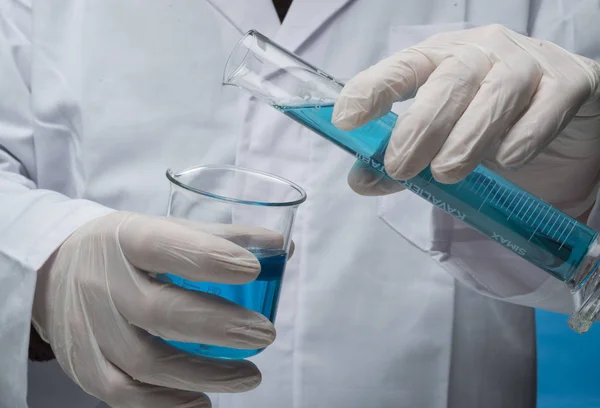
(260, 295)
(517, 220)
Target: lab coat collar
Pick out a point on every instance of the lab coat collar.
(245, 15)
(305, 18)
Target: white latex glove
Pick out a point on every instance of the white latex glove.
(96, 304)
(484, 95)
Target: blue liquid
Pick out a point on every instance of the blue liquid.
(261, 295)
(519, 221)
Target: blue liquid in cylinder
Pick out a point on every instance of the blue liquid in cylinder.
(260, 295)
(517, 220)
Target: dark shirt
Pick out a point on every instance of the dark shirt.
(282, 7)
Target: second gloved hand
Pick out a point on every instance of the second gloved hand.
(525, 107)
(98, 307)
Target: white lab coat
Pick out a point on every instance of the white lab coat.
(100, 97)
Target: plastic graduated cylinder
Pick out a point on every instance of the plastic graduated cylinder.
(515, 219)
(532, 229)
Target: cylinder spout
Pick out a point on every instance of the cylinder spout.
(238, 58)
(275, 76)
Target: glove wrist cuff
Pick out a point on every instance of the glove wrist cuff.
(39, 350)
(592, 106)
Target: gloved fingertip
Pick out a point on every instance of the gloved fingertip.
(201, 401)
(240, 264)
(258, 332)
(449, 176)
(234, 268)
(245, 380)
(525, 140)
(362, 179)
(249, 385)
(507, 157)
(183, 399)
(349, 110)
(365, 181)
(268, 334)
(361, 172)
(342, 121)
(399, 169)
(361, 190)
(386, 187)
(451, 172)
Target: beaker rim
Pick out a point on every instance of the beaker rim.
(173, 178)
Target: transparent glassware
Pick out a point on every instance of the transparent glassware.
(220, 194)
(524, 224)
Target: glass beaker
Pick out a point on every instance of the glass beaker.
(256, 201)
(563, 247)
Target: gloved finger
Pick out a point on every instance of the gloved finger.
(243, 235)
(371, 93)
(366, 181)
(119, 390)
(152, 361)
(135, 395)
(158, 245)
(540, 124)
(440, 102)
(179, 314)
(503, 96)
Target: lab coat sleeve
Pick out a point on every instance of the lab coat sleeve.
(33, 221)
(472, 258)
(492, 270)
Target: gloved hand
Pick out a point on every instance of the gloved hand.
(524, 107)
(96, 305)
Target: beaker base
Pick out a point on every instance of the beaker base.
(207, 350)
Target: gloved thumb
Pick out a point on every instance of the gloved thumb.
(366, 181)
